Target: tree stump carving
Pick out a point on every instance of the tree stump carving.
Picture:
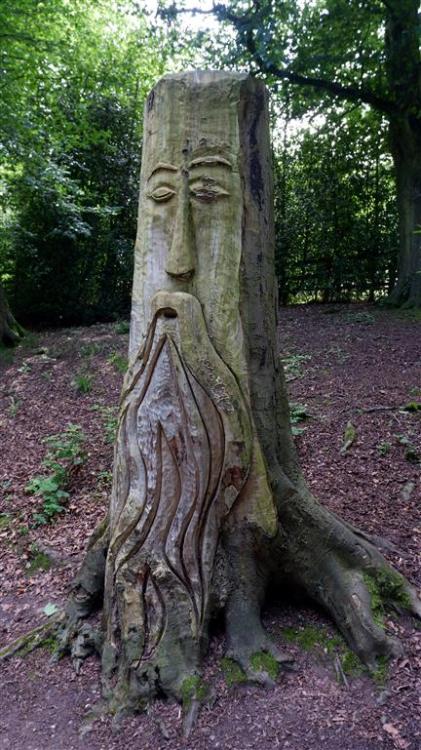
(208, 503)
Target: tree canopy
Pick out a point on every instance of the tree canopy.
(345, 118)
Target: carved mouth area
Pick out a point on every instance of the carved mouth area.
(168, 312)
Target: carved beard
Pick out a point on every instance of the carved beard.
(183, 456)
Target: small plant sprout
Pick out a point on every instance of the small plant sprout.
(118, 361)
(64, 457)
(83, 382)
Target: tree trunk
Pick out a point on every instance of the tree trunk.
(10, 331)
(209, 506)
(405, 138)
(403, 70)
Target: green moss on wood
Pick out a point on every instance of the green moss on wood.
(351, 664)
(381, 673)
(386, 587)
(263, 662)
(193, 688)
(232, 671)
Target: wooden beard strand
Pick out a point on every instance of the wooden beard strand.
(183, 456)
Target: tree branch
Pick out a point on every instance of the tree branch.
(346, 93)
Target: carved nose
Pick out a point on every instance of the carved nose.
(180, 262)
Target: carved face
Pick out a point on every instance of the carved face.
(190, 212)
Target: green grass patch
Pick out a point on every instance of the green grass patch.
(118, 361)
(383, 448)
(109, 415)
(5, 520)
(83, 382)
(90, 349)
(293, 365)
(122, 327)
(412, 406)
(38, 560)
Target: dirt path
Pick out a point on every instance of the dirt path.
(345, 365)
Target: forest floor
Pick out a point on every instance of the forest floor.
(345, 365)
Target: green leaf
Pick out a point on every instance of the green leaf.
(50, 609)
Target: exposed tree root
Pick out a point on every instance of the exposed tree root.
(326, 558)
(344, 572)
(32, 640)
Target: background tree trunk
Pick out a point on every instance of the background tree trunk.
(209, 507)
(405, 138)
(10, 330)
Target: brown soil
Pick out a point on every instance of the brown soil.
(362, 366)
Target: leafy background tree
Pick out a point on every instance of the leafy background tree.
(323, 52)
(71, 132)
(74, 76)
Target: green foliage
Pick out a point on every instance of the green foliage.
(293, 365)
(5, 520)
(312, 638)
(384, 447)
(83, 382)
(109, 415)
(381, 673)
(118, 361)
(351, 664)
(64, 456)
(335, 212)
(298, 413)
(350, 436)
(89, 350)
(412, 406)
(74, 80)
(306, 638)
(14, 406)
(122, 327)
(38, 560)
(105, 477)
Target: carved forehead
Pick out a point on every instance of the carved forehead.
(185, 124)
(207, 160)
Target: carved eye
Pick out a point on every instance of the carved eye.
(161, 194)
(208, 193)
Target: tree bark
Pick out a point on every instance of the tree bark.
(405, 138)
(10, 331)
(403, 69)
(209, 507)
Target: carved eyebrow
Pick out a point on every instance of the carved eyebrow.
(163, 165)
(209, 161)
